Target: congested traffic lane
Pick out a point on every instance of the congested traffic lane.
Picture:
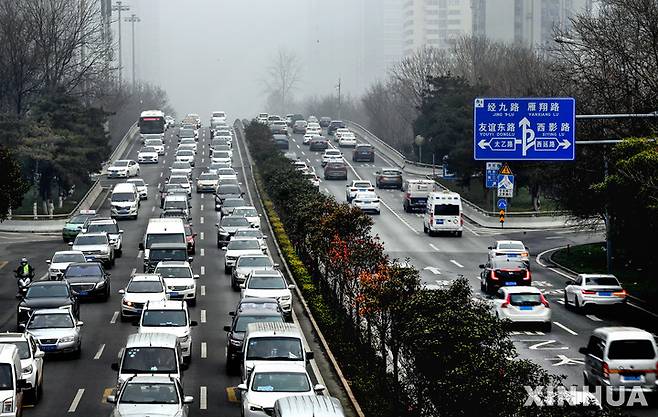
(442, 259)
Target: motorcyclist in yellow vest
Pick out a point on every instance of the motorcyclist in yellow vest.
(24, 269)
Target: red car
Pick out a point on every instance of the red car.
(190, 238)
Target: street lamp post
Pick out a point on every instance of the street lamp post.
(339, 98)
(119, 7)
(133, 19)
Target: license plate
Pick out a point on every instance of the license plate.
(510, 283)
(90, 258)
(83, 292)
(173, 294)
(513, 255)
(525, 308)
(439, 221)
(605, 294)
(631, 377)
(48, 348)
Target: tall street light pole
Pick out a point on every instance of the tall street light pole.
(133, 19)
(119, 7)
(338, 87)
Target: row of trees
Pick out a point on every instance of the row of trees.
(428, 353)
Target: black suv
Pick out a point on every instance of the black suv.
(88, 280)
(504, 272)
(165, 252)
(237, 329)
(225, 191)
(335, 124)
(325, 121)
(46, 294)
(281, 142)
(363, 152)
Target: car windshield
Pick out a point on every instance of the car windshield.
(228, 189)
(181, 165)
(50, 321)
(164, 318)
(208, 176)
(47, 291)
(122, 197)
(254, 261)
(67, 257)
(244, 319)
(142, 393)
(176, 204)
(137, 182)
(265, 304)
(91, 240)
(147, 149)
(184, 152)
(121, 164)
(243, 244)
(511, 245)
(79, 219)
(90, 270)
(226, 172)
(446, 210)
(153, 142)
(274, 348)
(144, 287)
(249, 233)
(186, 133)
(247, 212)
(6, 377)
(609, 281)
(267, 283)
(234, 222)
(280, 382)
(178, 180)
(151, 360)
(221, 154)
(23, 348)
(530, 299)
(174, 271)
(106, 227)
(631, 349)
(168, 255)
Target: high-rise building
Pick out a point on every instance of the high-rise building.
(528, 22)
(434, 23)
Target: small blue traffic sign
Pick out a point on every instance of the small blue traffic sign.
(530, 129)
(502, 204)
(491, 177)
(505, 186)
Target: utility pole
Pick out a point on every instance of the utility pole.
(133, 19)
(119, 7)
(338, 87)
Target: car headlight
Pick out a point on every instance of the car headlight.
(285, 298)
(28, 369)
(23, 308)
(100, 284)
(184, 339)
(189, 287)
(105, 250)
(235, 342)
(67, 339)
(128, 303)
(240, 274)
(8, 405)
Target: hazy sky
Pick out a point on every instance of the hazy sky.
(214, 54)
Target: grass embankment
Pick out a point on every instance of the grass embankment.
(591, 258)
(483, 199)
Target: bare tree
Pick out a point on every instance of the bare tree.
(282, 78)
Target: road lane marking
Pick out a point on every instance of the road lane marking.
(456, 263)
(327, 190)
(203, 235)
(202, 160)
(132, 271)
(203, 316)
(203, 398)
(203, 196)
(432, 269)
(115, 316)
(565, 328)
(540, 345)
(203, 270)
(434, 247)
(203, 290)
(43, 277)
(593, 317)
(201, 207)
(76, 400)
(152, 209)
(161, 174)
(3, 263)
(98, 354)
(203, 252)
(201, 219)
(139, 254)
(204, 350)
(553, 237)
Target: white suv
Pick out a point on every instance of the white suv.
(269, 284)
(357, 186)
(179, 279)
(170, 317)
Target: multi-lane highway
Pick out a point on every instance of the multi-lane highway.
(442, 259)
(80, 386)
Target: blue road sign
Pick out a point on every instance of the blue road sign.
(505, 186)
(529, 129)
(502, 204)
(491, 177)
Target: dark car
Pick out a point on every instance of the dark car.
(504, 272)
(318, 143)
(225, 191)
(230, 203)
(190, 238)
(324, 121)
(46, 294)
(227, 227)
(299, 126)
(333, 125)
(363, 153)
(165, 252)
(281, 142)
(279, 129)
(335, 171)
(295, 117)
(237, 329)
(88, 280)
(388, 178)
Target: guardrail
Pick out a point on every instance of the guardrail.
(94, 190)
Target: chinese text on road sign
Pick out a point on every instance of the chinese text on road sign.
(524, 129)
(491, 177)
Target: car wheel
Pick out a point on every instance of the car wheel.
(227, 269)
(487, 287)
(34, 393)
(481, 285)
(118, 252)
(547, 327)
(576, 304)
(424, 228)
(192, 302)
(123, 318)
(106, 296)
(459, 234)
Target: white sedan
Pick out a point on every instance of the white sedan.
(594, 289)
(123, 168)
(307, 138)
(147, 154)
(357, 186)
(511, 249)
(331, 155)
(347, 139)
(524, 304)
(142, 188)
(367, 201)
(141, 289)
(250, 213)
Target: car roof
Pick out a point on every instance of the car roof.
(506, 261)
(165, 305)
(524, 289)
(12, 337)
(309, 405)
(68, 252)
(150, 379)
(597, 276)
(173, 263)
(623, 332)
(93, 234)
(267, 273)
(151, 339)
(48, 283)
(146, 277)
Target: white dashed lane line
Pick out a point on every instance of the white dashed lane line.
(434, 247)
(565, 328)
(76, 400)
(203, 290)
(593, 317)
(203, 398)
(203, 316)
(114, 318)
(98, 354)
(203, 236)
(203, 270)
(456, 263)
(203, 252)
(204, 350)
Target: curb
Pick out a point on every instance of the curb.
(316, 328)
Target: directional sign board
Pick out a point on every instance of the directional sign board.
(529, 129)
(505, 186)
(491, 177)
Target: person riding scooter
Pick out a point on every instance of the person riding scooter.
(24, 276)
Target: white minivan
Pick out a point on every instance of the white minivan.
(443, 213)
(151, 354)
(125, 201)
(11, 383)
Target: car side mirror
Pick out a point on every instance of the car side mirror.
(190, 258)
(80, 323)
(490, 247)
(242, 387)
(70, 243)
(122, 291)
(569, 282)
(310, 355)
(111, 399)
(227, 328)
(318, 388)
(141, 246)
(481, 266)
(223, 248)
(39, 354)
(115, 366)
(194, 323)
(243, 286)
(188, 399)
(292, 287)
(231, 313)
(583, 350)
(196, 276)
(121, 231)
(276, 265)
(48, 261)
(193, 234)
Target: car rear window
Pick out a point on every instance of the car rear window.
(525, 299)
(446, 210)
(631, 349)
(510, 245)
(602, 281)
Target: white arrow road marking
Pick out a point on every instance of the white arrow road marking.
(540, 345)
(563, 360)
(456, 263)
(76, 400)
(432, 269)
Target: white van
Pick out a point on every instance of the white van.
(265, 342)
(165, 230)
(11, 383)
(125, 201)
(443, 213)
(149, 353)
(308, 406)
